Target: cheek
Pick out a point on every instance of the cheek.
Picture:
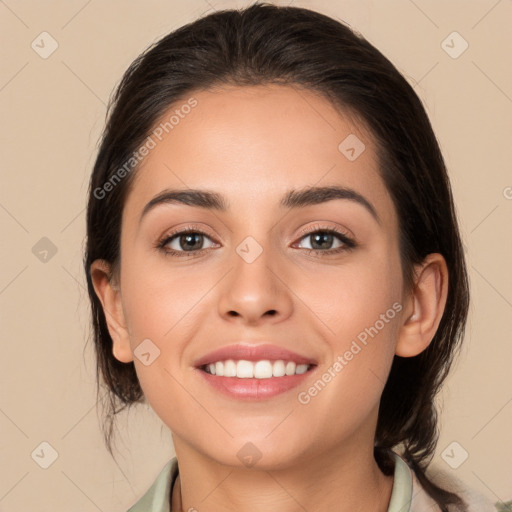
(360, 348)
(361, 307)
(161, 304)
(159, 300)
(353, 297)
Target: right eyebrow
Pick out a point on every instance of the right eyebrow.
(190, 197)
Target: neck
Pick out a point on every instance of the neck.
(345, 480)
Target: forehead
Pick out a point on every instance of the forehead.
(253, 143)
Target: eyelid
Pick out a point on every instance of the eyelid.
(319, 226)
(199, 228)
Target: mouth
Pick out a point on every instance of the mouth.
(254, 372)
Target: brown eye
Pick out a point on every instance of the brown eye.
(327, 240)
(190, 241)
(185, 241)
(321, 240)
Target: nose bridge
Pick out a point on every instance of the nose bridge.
(253, 262)
(254, 242)
(254, 288)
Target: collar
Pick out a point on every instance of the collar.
(157, 497)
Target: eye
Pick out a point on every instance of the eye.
(184, 242)
(327, 240)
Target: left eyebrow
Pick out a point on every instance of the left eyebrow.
(294, 198)
(317, 195)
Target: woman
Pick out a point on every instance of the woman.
(274, 264)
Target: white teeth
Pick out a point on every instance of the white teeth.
(229, 368)
(244, 369)
(278, 369)
(290, 368)
(263, 369)
(301, 368)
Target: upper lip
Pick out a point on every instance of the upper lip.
(249, 352)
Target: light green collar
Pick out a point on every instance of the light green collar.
(157, 496)
(156, 499)
(401, 494)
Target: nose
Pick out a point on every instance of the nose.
(255, 290)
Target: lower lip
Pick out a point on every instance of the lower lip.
(254, 389)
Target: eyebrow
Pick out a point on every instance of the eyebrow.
(295, 198)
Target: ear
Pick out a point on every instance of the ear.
(424, 307)
(109, 295)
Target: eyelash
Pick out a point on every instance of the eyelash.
(348, 243)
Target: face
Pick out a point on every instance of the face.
(318, 275)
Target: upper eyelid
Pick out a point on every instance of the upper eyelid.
(320, 227)
(184, 230)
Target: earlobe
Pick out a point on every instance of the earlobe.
(109, 294)
(424, 308)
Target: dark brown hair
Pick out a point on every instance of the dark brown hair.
(266, 44)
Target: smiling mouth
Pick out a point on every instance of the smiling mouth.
(262, 369)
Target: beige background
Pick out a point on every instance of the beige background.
(52, 112)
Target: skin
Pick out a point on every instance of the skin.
(251, 145)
